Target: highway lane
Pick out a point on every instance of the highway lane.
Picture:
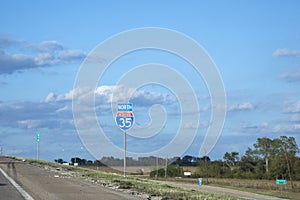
(41, 183)
(8, 191)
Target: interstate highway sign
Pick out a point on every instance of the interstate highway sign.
(124, 118)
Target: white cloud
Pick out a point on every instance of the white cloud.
(291, 76)
(77, 93)
(296, 127)
(55, 111)
(29, 124)
(292, 107)
(71, 55)
(241, 107)
(45, 59)
(15, 62)
(144, 98)
(284, 128)
(285, 52)
(48, 46)
(107, 94)
(113, 94)
(190, 125)
(294, 118)
(264, 124)
(249, 127)
(50, 97)
(27, 56)
(63, 109)
(27, 115)
(7, 42)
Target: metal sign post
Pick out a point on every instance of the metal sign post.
(125, 120)
(124, 153)
(280, 182)
(37, 145)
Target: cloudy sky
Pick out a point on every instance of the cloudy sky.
(43, 44)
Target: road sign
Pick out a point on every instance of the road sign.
(37, 137)
(124, 116)
(125, 107)
(125, 120)
(200, 181)
(280, 181)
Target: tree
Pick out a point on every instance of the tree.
(60, 161)
(297, 168)
(187, 160)
(76, 160)
(287, 147)
(249, 161)
(264, 147)
(231, 159)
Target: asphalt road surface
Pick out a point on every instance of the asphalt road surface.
(44, 184)
(7, 190)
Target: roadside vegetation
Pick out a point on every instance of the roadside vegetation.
(256, 171)
(267, 159)
(135, 184)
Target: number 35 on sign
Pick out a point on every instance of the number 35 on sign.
(124, 120)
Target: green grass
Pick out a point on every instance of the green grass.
(141, 185)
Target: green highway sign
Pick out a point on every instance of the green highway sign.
(37, 137)
(280, 182)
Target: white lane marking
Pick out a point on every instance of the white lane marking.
(17, 186)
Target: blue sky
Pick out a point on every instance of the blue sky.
(254, 44)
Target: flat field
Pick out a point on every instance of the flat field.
(266, 187)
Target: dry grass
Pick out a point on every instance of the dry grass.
(119, 169)
(261, 186)
(266, 187)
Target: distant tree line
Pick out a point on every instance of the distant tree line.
(190, 160)
(79, 161)
(141, 161)
(267, 159)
